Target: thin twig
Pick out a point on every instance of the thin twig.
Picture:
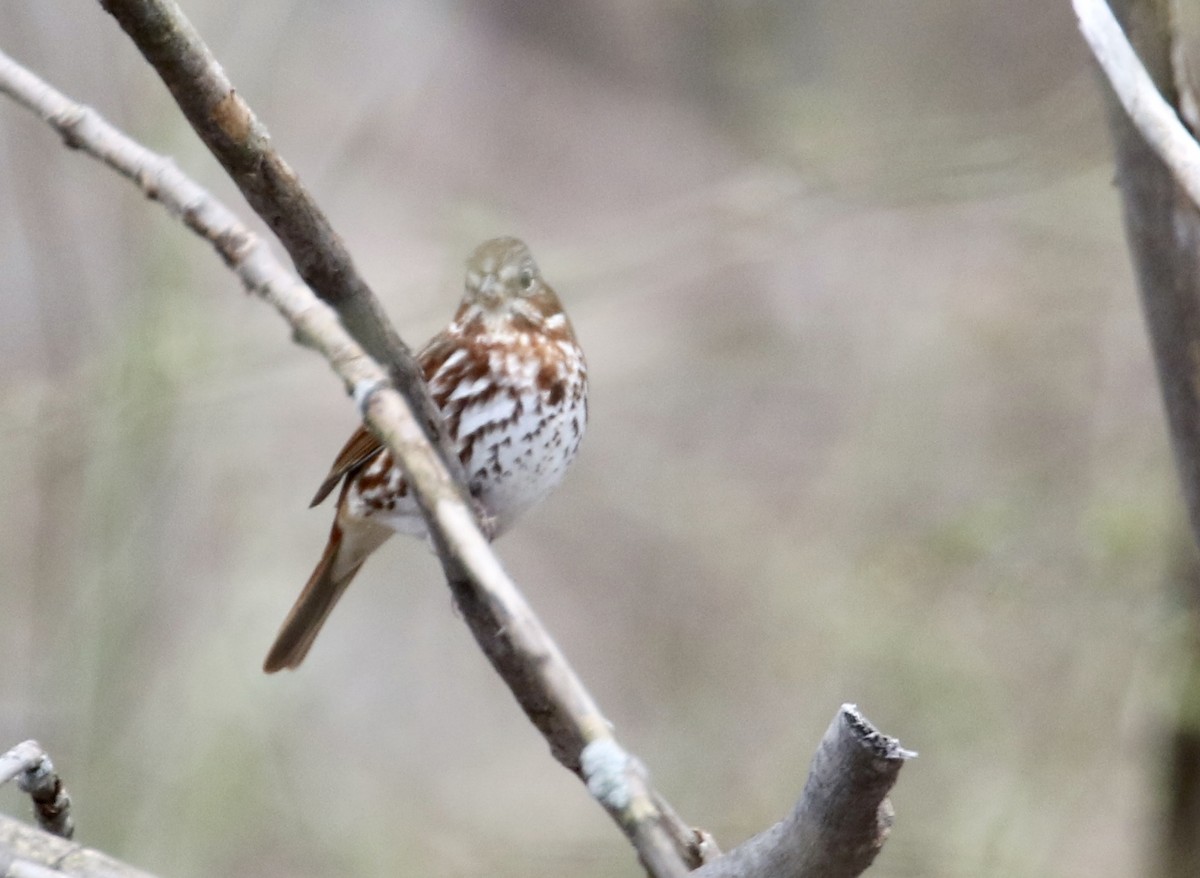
(1153, 116)
(35, 775)
(503, 623)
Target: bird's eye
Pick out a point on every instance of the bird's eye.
(525, 279)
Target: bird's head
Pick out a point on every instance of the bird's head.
(504, 286)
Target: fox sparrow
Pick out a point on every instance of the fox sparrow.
(511, 383)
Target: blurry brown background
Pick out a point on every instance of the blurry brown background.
(873, 420)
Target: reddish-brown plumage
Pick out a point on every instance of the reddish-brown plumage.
(511, 382)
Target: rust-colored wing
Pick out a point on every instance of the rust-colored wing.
(360, 448)
(363, 445)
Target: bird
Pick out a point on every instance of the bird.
(511, 382)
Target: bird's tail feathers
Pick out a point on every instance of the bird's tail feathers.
(347, 549)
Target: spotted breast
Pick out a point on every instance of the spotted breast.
(511, 382)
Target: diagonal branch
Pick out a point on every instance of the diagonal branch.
(1162, 226)
(1154, 118)
(240, 142)
(505, 626)
(1158, 170)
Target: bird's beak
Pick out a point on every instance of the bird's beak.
(490, 292)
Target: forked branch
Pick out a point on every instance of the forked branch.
(503, 623)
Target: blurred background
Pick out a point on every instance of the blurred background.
(873, 421)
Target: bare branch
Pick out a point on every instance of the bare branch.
(1161, 222)
(1153, 116)
(843, 816)
(35, 774)
(28, 852)
(240, 142)
(1163, 229)
(503, 623)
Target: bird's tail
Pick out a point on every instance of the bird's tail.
(347, 549)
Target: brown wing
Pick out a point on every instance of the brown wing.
(360, 448)
(363, 445)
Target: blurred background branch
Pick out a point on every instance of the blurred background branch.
(1158, 171)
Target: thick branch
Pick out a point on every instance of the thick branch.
(239, 141)
(28, 852)
(843, 817)
(1155, 157)
(505, 626)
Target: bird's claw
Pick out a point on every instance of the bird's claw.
(485, 520)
